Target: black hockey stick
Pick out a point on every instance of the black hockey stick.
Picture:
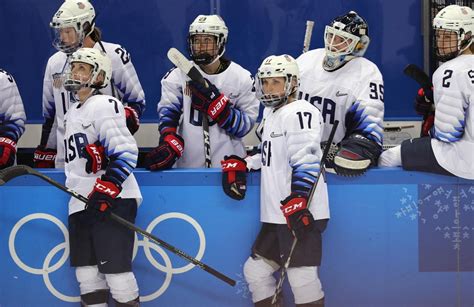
(310, 197)
(188, 68)
(417, 74)
(20, 170)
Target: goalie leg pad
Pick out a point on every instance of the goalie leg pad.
(123, 286)
(305, 284)
(90, 279)
(259, 275)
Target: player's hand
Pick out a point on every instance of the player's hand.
(96, 158)
(427, 124)
(356, 154)
(424, 103)
(209, 100)
(7, 152)
(234, 177)
(169, 150)
(44, 157)
(101, 199)
(298, 217)
(133, 122)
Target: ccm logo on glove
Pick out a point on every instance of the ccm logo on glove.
(105, 190)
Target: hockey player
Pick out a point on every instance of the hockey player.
(183, 102)
(12, 119)
(290, 162)
(345, 86)
(450, 151)
(101, 249)
(73, 26)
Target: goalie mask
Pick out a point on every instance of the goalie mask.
(344, 39)
(276, 80)
(207, 38)
(453, 29)
(100, 65)
(72, 22)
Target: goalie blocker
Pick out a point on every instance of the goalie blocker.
(356, 154)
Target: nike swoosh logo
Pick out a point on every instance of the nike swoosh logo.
(339, 94)
(86, 126)
(275, 135)
(103, 262)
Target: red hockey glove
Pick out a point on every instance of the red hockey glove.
(44, 157)
(209, 100)
(169, 150)
(7, 152)
(101, 199)
(133, 122)
(96, 158)
(234, 177)
(298, 217)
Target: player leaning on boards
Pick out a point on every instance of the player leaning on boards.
(229, 102)
(101, 249)
(73, 26)
(12, 119)
(345, 86)
(290, 162)
(450, 151)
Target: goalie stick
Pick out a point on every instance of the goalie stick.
(310, 197)
(21, 170)
(188, 68)
(307, 35)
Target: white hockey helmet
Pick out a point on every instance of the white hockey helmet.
(275, 66)
(100, 63)
(457, 19)
(211, 25)
(345, 38)
(77, 15)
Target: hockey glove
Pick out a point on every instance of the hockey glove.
(7, 152)
(209, 100)
(101, 199)
(234, 177)
(424, 102)
(133, 122)
(427, 125)
(356, 154)
(44, 157)
(169, 150)
(96, 158)
(297, 215)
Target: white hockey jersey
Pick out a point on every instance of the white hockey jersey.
(453, 142)
(174, 111)
(56, 100)
(352, 94)
(12, 113)
(290, 159)
(100, 118)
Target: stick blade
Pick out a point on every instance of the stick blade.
(417, 74)
(185, 65)
(12, 172)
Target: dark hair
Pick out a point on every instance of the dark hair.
(96, 35)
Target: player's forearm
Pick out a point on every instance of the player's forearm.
(237, 123)
(12, 129)
(367, 120)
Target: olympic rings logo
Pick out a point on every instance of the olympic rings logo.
(47, 268)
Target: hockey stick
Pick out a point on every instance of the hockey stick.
(188, 68)
(20, 170)
(307, 35)
(310, 197)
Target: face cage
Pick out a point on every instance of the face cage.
(205, 58)
(349, 40)
(453, 50)
(72, 85)
(273, 100)
(59, 45)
